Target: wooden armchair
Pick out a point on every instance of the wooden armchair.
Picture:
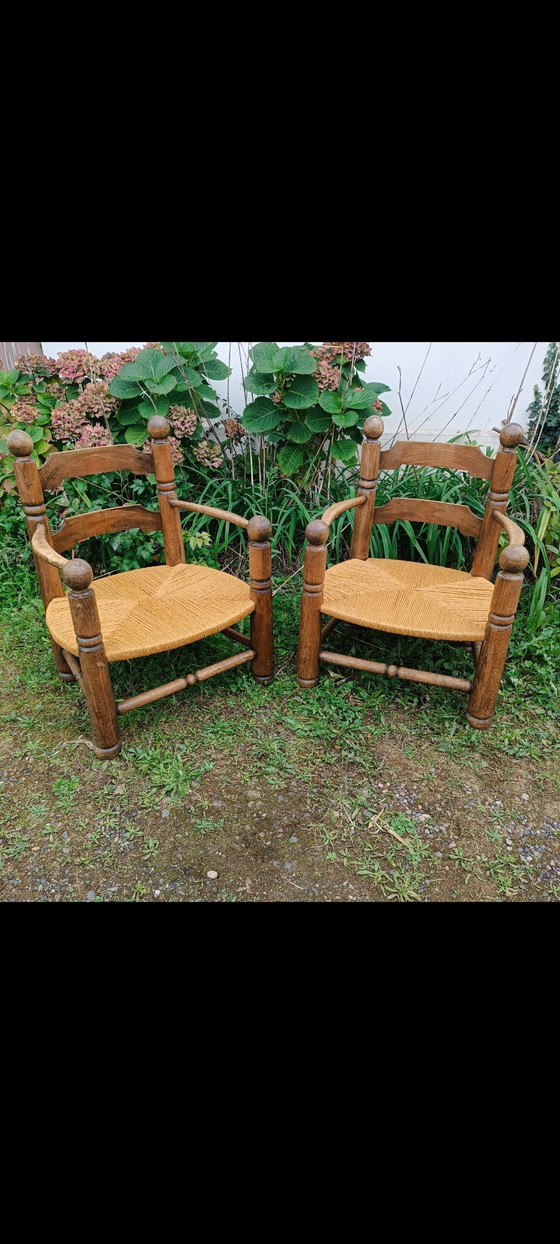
(412, 598)
(139, 612)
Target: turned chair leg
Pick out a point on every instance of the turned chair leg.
(260, 572)
(491, 660)
(95, 676)
(313, 586)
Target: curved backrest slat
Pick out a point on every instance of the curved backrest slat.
(459, 516)
(100, 522)
(79, 462)
(424, 453)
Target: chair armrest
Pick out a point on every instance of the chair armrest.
(45, 551)
(74, 570)
(514, 533)
(335, 510)
(224, 515)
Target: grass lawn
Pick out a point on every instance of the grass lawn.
(364, 790)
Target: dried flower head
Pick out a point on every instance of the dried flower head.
(183, 420)
(77, 365)
(234, 430)
(350, 350)
(36, 365)
(25, 410)
(209, 455)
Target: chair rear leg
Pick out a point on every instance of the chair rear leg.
(260, 570)
(64, 673)
(96, 678)
(491, 660)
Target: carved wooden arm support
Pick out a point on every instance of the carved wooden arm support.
(224, 515)
(507, 589)
(74, 570)
(514, 533)
(334, 511)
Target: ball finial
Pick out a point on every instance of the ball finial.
(514, 559)
(259, 529)
(374, 428)
(317, 532)
(20, 444)
(512, 435)
(158, 428)
(78, 575)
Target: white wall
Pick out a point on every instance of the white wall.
(463, 385)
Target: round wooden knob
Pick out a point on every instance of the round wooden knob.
(78, 575)
(512, 435)
(317, 532)
(20, 444)
(514, 559)
(158, 428)
(259, 529)
(374, 428)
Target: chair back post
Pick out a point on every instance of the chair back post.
(367, 487)
(32, 498)
(501, 481)
(95, 676)
(159, 430)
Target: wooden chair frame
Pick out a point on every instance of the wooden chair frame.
(490, 654)
(91, 668)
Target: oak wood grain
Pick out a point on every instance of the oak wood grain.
(334, 511)
(79, 462)
(443, 512)
(102, 522)
(224, 515)
(425, 453)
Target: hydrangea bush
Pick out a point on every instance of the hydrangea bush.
(311, 403)
(78, 401)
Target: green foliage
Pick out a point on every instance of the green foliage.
(176, 373)
(293, 406)
(17, 392)
(544, 411)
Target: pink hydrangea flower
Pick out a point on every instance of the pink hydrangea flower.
(77, 365)
(92, 436)
(24, 411)
(234, 430)
(183, 420)
(36, 365)
(209, 455)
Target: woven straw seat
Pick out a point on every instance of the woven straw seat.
(408, 598)
(156, 609)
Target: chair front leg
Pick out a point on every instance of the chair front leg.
(313, 587)
(490, 665)
(96, 678)
(260, 572)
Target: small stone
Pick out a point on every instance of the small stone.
(157, 893)
(91, 895)
(293, 838)
(438, 855)
(165, 812)
(525, 797)
(212, 876)
(287, 864)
